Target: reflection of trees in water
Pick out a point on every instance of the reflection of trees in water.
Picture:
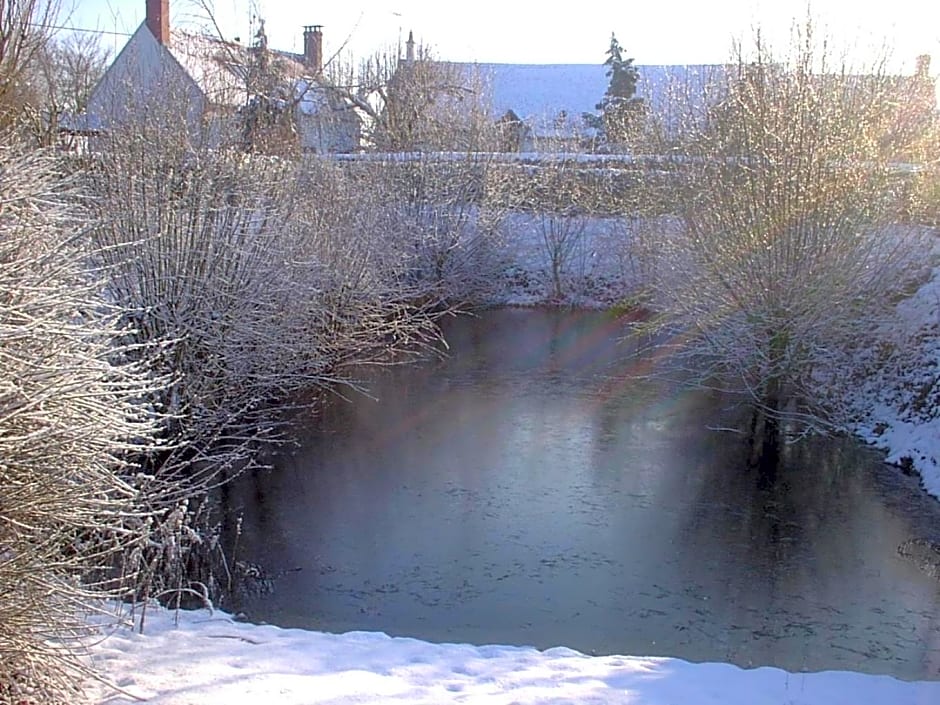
(780, 555)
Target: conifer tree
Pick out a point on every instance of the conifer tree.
(621, 111)
(623, 77)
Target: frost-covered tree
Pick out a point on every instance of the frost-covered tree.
(419, 103)
(788, 254)
(62, 76)
(69, 68)
(623, 76)
(25, 30)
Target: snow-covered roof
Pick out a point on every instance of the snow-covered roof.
(552, 98)
(80, 123)
(539, 93)
(221, 69)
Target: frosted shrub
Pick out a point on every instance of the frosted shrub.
(69, 418)
(254, 284)
(429, 216)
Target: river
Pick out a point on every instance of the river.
(528, 488)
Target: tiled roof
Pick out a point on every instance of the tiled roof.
(552, 98)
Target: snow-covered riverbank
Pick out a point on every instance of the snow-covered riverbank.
(210, 659)
(900, 402)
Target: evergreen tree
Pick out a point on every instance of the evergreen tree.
(623, 76)
(621, 111)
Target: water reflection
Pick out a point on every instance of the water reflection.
(528, 490)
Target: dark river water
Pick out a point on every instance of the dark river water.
(529, 490)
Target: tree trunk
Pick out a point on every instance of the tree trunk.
(765, 434)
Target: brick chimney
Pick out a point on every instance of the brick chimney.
(158, 20)
(313, 47)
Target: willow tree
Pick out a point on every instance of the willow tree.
(788, 254)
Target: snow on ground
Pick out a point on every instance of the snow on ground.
(598, 259)
(209, 659)
(900, 402)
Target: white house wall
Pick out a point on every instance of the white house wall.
(146, 81)
(150, 81)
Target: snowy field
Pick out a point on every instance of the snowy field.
(209, 659)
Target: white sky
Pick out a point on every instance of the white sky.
(534, 31)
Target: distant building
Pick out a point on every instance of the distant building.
(222, 90)
(541, 107)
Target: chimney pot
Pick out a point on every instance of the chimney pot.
(158, 20)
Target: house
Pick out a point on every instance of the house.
(225, 91)
(74, 132)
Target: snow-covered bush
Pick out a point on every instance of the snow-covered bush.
(573, 228)
(925, 194)
(201, 254)
(69, 419)
(369, 304)
(252, 283)
(434, 214)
